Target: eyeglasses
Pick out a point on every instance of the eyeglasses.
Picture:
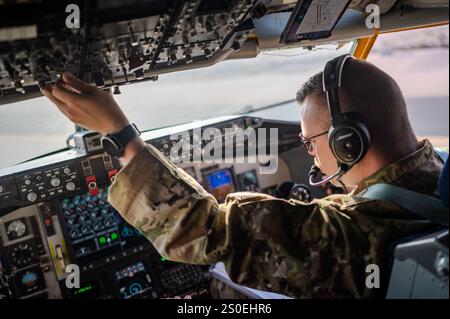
(308, 142)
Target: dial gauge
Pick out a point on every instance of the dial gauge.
(16, 229)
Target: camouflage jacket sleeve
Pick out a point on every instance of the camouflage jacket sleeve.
(297, 249)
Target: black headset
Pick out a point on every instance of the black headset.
(349, 136)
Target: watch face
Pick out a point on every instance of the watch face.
(111, 147)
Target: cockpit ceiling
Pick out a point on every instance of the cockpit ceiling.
(122, 42)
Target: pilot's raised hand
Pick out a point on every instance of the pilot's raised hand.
(86, 105)
(90, 108)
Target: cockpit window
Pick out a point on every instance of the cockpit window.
(418, 61)
(35, 127)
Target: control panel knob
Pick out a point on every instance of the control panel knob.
(2, 188)
(32, 197)
(70, 186)
(67, 171)
(74, 233)
(55, 182)
(301, 193)
(208, 53)
(22, 255)
(85, 229)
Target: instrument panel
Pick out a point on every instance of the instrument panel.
(114, 42)
(54, 214)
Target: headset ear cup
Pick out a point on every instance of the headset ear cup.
(358, 122)
(349, 136)
(333, 139)
(350, 142)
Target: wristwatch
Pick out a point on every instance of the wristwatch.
(115, 144)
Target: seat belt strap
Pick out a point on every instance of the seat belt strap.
(421, 205)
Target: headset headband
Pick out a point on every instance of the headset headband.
(332, 82)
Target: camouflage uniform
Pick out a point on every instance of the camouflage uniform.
(316, 250)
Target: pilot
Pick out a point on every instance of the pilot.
(317, 250)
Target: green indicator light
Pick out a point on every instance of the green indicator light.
(102, 240)
(114, 236)
(163, 259)
(84, 289)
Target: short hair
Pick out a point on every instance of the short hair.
(374, 95)
(313, 86)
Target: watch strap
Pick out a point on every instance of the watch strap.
(128, 134)
(115, 144)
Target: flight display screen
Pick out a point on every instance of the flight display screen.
(220, 183)
(133, 280)
(313, 19)
(220, 179)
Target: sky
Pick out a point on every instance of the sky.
(417, 59)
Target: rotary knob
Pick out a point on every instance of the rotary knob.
(70, 186)
(301, 193)
(85, 229)
(32, 197)
(55, 182)
(173, 57)
(22, 255)
(207, 52)
(97, 226)
(2, 188)
(74, 233)
(109, 222)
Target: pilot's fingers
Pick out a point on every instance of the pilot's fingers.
(77, 84)
(63, 107)
(59, 104)
(47, 91)
(65, 94)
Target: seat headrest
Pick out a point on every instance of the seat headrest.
(443, 184)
